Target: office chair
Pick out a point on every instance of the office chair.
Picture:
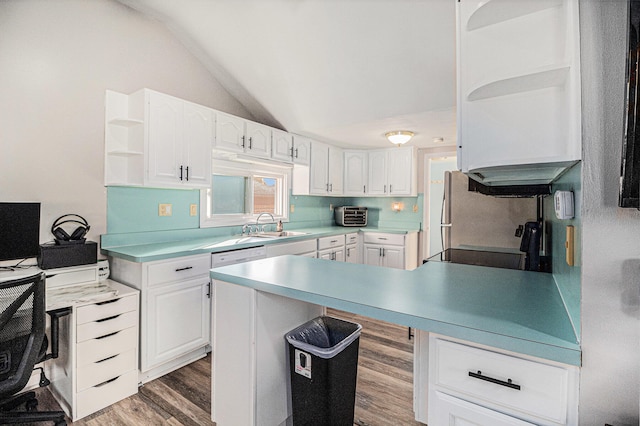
(23, 343)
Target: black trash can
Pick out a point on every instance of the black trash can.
(323, 365)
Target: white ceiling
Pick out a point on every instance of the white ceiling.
(343, 71)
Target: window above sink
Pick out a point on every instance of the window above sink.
(239, 192)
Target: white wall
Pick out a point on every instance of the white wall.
(610, 379)
(57, 58)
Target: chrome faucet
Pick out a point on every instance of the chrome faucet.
(273, 219)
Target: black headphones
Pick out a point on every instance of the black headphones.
(77, 235)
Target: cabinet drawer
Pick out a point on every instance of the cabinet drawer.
(106, 309)
(106, 326)
(379, 238)
(106, 369)
(102, 347)
(351, 238)
(501, 380)
(102, 395)
(329, 242)
(178, 269)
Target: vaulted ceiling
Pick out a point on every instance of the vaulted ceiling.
(342, 71)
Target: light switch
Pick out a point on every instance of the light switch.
(164, 209)
(292, 208)
(193, 210)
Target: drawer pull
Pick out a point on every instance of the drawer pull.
(106, 382)
(108, 318)
(184, 269)
(507, 384)
(106, 302)
(107, 335)
(106, 359)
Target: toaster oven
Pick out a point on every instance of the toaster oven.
(350, 216)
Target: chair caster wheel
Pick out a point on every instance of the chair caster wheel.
(31, 405)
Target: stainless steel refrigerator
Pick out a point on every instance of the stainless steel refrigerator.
(471, 220)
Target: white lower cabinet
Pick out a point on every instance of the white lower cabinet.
(391, 250)
(175, 310)
(470, 384)
(332, 248)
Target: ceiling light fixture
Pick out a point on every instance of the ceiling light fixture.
(399, 137)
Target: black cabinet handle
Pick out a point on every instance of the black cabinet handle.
(243, 141)
(184, 269)
(250, 142)
(508, 383)
(187, 173)
(180, 172)
(296, 152)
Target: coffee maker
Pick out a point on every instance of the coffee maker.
(530, 245)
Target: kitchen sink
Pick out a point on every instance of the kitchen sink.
(495, 259)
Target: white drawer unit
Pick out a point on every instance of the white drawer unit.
(98, 363)
(331, 242)
(524, 388)
(178, 269)
(300, 248)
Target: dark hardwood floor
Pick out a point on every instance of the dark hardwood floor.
(383, 396)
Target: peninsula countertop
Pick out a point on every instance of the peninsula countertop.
(519, 311)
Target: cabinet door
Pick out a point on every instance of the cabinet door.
(399, 171)
(336, 171)
(301, 150)
(258, 140)
(325, 254)
(319, 169)
(355, 172)
(281, 145)
(339, 254)
(377, 173)
(452, 411)
(198, 138)
(178, 320)
(165, 139)
(393, 257)
(351, 254)
(229, 132)
(372, 255)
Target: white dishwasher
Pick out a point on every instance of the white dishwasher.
(231, 257)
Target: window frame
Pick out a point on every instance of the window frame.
(250, 170)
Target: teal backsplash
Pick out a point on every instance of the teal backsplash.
(567, 277)
(135, 210)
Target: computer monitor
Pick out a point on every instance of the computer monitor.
(19, 230)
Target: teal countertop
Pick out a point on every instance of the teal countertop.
(519, 311)
(150, 251)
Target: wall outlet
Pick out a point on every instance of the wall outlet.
(164, 209)
(193, 210)
(292, 208)
(415, 208)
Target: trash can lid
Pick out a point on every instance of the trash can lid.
(324, 336)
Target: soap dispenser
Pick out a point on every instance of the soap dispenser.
(279, 226)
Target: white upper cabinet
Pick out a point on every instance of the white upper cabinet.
(518, 89)
(326, 170)
(258, 139)
(392, 172)
(355, 173)
(156, 140)
(229, 132)
(301, 150)
(239, 135)
(290, 148)
(281, 145)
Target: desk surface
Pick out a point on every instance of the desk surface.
(72, 294)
